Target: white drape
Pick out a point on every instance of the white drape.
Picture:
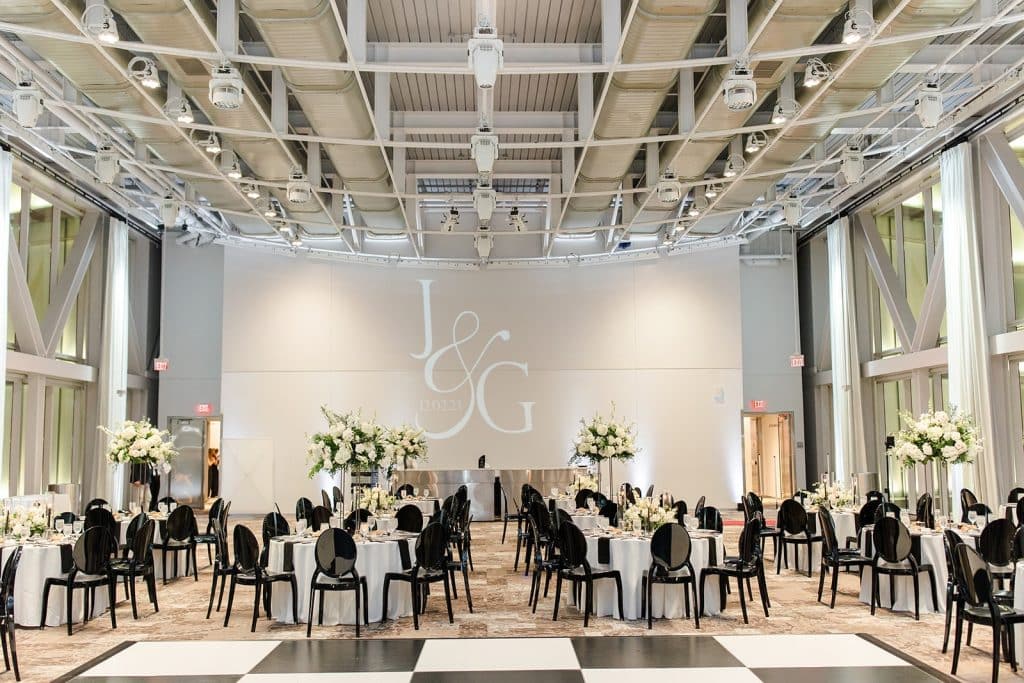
(967, 338)
(113, 370)
(5, 238)
(848, 425)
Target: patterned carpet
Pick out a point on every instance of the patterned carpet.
(500, 597)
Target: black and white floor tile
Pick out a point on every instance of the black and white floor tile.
(657, 659)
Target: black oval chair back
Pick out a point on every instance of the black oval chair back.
(93, 550)
(430, 547)
(7, 579)
(355, 518)
(699, 506)
(866, 516)
(168, 501)
(410, 518)
(610, 510)
(325, 499)
(336, 497)
(181, 524)
(1020, 512)
(650, 491)
(973, 579)
(98, 516)
(133, 528)
(1015, 494)
(670, 547)
(967, 498)
(792, 517)
(95, 503)
(750, 542)
(924, 513)
(582, 496)
(952, 540)
(560, 517)
(321, 517)
(996, 542)
(874, 496)
(335, 553)
(885, 510)
(304, 510)
(827, 531)
(449, 507)
(141, 542)
(891, 540)
(527, 493)
(247, 549)
(627, 489)
(1018, 544)
(462, 494)
(541, 517)
(572, 546)
(680, 508)
(274, 524)
(68, 517)
(710, 518)
(409, 490)
(215, 512)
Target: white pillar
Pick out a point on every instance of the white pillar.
(113, 368)
(5, 238)
(967, 344)
(848, 425)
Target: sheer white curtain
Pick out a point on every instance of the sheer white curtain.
(848, 424)
(5, 238)
(967, 338)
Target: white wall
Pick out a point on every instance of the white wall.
(661, 339)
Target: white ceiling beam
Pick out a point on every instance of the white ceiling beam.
(503, 168)
(736, 34)
(278, 101)
(355, 28)
(933, 58)
(227, 26)
(382, 103)
(585, 97)
(454, 54)
(611, 29)
(685, 106)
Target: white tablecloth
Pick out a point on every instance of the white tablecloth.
(631, 557)
(846, 526)
(933, 553)
(1018, 602)
(373, 561)
(585, 522)
(38, 563)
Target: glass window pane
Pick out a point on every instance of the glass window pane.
(15, 210)
(914, 252)
(937, 214)
(1017, 256)
(40, 230)
(886, 337)
(8, 432)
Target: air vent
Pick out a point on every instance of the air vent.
(766, 69)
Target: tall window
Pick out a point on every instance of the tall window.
(885, 335)
(66, 422)
(893, 397)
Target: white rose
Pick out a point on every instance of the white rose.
(602, 429)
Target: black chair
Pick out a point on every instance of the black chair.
(893, 558)
(976, 605)
(222, 566)
(629, 492)
(336, 571)
(995, 545)
(753, 508)
(356, 518)
(7, 626)
(320, 518)
(610, 511)
(95, 503)
(541, 519)
(967, 499)
(544, 560)
(572, 547)
(794, 529)
(177, 535)
(90, 569)
(458, 555)
(886, 509)
(138, 565)
(670, 553)
(874, 496)
(509, 516)
(834, 558)
(103, 517)
(207, 538)
(409, 518)
(923, 514)
(462, 494)
(1015, 495)
(680, 510)
(749, 564)
(249, 572)
(129, 533)
(979, 510)
(582, 496)
(304, 510)
(409, 490)
(650, 491)
(337, 498)
(951, 540)
(326, 499)
(865, 517)
(68, 518)
(709, 518)
(699, 506)
(1020, 512)
(429, 568)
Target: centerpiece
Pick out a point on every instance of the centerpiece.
(832, 496)
(582, 482)
(349, 443)
(404, 445)
(376, 500)
(23, 522)
(144, 448)
(647, 515)
(604, 439)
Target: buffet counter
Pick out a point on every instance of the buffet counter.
(484, 485)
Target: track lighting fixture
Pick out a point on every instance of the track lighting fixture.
(739, 88)
(450, 219)
(180, 110)
(792, 209)
(816, 71)
(106, 162)
(851, 163)
(669, 189)
(734, 165)
(928, 105)
(483, 148)
(169, 208)
(99, 22)
(28, 103)
(299, 188)
(712, 190)
(271, 209)
(784, 111)
(669, 238)
(484, 201)
(252, 191)
(859, 25)
(756, 141)
(516, 220)
(296, 241)
(143, 69)
(486, 55)
(227, 89)
(483, 245)
(211, 144)
(228, 165)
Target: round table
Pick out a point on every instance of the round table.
(40, 561)
(373, 560)
(562, 503)
(426, 505)
(631, 556)
(932, 552)
(585, 522)
(845, 522)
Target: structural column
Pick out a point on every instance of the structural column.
(848, 424)
(967, 340)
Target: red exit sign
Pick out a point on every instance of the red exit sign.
(758, 405)
(796, 360)
(161, 364)
(204, 409)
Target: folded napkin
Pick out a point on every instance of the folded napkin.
(603, 550)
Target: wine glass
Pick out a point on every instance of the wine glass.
(300, 526)
(77, 526)
(58, 524)
(972, 517)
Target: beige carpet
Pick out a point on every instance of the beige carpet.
(499, 600)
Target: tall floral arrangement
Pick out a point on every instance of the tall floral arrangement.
(582, 481)
(349, 443)
(936, 436)
(404, 444)
(647, 514)
(140, 443)
(832, 495)
(604, 438)
(376, 500)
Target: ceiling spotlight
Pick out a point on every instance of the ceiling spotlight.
(169, 208)
(784, 111)
(516, 220)
(739, 88)
(669, 236)
(250, 189)
(296, 241)
(792, 209)
(226, 87)
(756, 141)
(483, 148)
(484, 201)
(486, 55)
(106, 162)
(211, 144)
(143, 69)
(859, 25)
(483, 246)
(450, 219)
(851, 163)
(28, 103)
(816, 71)
(669, 189)
(180, 110)
(299, 188)
(928, 105)
(271, 209)
(99, 22)
(228, 165)
(712, 190)
(734, 165)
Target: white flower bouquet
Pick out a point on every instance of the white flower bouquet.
(404, 444)
(22, 522)
(350, 443)
(936, 436)
(376, 500)
(582, 481)
(832, 495)
(603, 439)
(140, 443)
(648, 515)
